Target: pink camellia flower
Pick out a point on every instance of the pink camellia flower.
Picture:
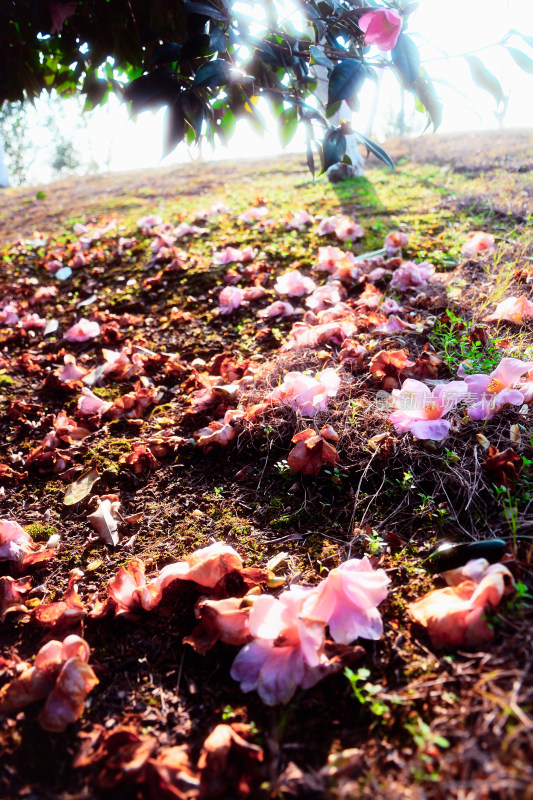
(184, 229)
(214, 209)
(394, 242)
(61, 674)
(512, 309)
(148, 223)
(526, 388)
(9, 315)
(394, 325)
(412, 276)
(421, 411)
(347, 600)
(305, 394)
(304, 335)
(71, 371)
(82, 331)
(14, 540)
(381, 27)
(390, 306)
(478, 242)
(277, 309)
(455, 616)
(253, 214)
(33, 322)
(294, 283)
(43, 293)
(348, 229)
(298, 220)
(254, 293)
(229, 299)
(329, 258)
(89, 403)
(327, 295)
(230, 254)
(491, 392)
(287, 649)
(162, 242)
(129, 590)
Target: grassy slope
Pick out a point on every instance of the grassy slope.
(478, 702)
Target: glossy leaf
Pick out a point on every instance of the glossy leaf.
(425, 92)
(204, 9)
(174, 127)
(451, 556)
(376, 149)
(214, 73)
(346, 79)
(524, 62)
(406, 59)
(319, 57)
(166, 53)
(333, 148)
(483, 78)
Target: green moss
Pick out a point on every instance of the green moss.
(40, 531)
(5, 380)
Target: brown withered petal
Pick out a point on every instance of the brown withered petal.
(122, 749)
(171, 775)
(502, 466)
(228, 764)
(389, 364)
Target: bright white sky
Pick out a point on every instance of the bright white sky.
(444, 26)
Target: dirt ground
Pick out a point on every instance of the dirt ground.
(411, 719)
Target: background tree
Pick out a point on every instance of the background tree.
(210, 62)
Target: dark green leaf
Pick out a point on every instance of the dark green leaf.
(174, 127)
(166, 53)
(205, 10)
(520, 58)
(195, 47)
(194, 112)
(451, 556)
(376, 149)
(406, 59)
(333, 148)
(214, 73)
(346, 79)
(483, 78)
(218, 41)
(319, 57)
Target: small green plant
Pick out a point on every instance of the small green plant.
(366, 692)
(454, 340)
(426, 743)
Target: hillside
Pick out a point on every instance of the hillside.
(188, 413)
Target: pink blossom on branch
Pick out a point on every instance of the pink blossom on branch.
(421, 411)
(381, 27)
